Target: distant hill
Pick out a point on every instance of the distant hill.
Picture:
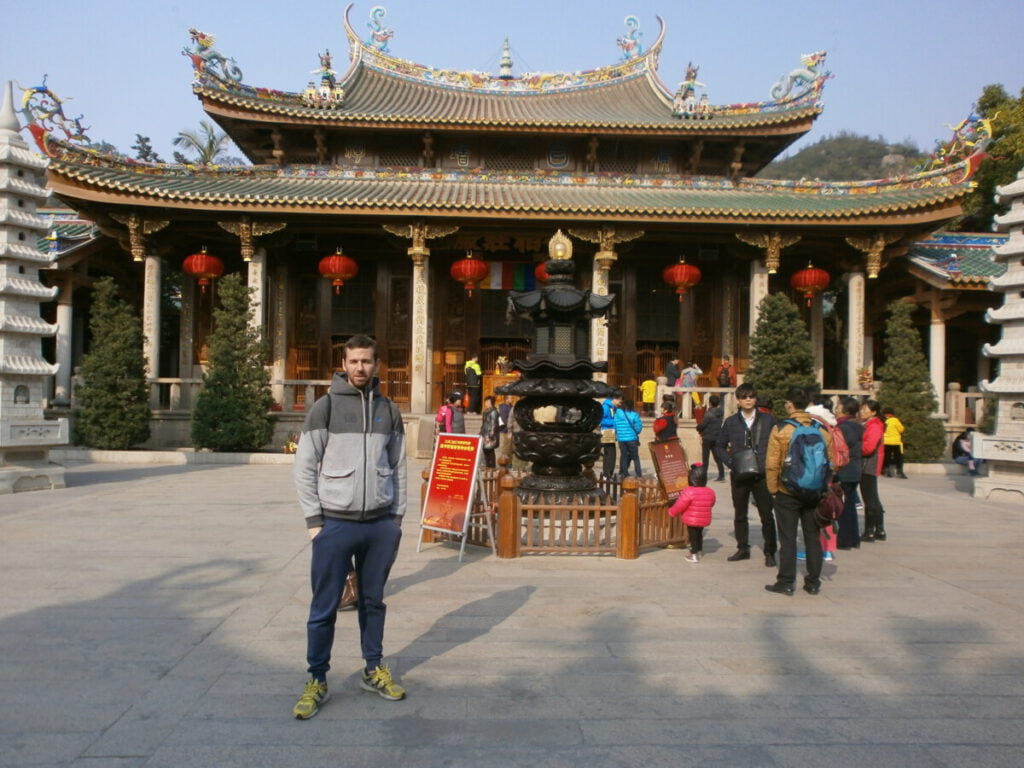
(846, 157)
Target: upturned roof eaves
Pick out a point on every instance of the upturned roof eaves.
(473, 194)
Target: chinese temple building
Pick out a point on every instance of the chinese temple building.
(403, 202)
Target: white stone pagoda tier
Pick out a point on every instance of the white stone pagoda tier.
(26, 436)
(1004, 451)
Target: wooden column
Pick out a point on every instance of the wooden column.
(628, 523)
(509, 523)
(279, 341)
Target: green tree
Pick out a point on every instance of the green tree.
(846, 156)
(781, 355)
(207, 144)
(144, 150)
(906, 386)
(1007, 158)
(232, 409)
(113, 399)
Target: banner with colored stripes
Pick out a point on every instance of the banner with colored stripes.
(510, 276)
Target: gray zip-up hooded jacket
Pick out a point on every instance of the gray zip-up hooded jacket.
(350, 462)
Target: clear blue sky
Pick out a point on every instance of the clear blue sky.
(902, 68)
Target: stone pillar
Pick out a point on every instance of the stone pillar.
(187, 330)
(817, 333)
(603, 261)
(855, 350)
(65, 317)
(422, 334)
(758, 290)
(937, 354)
(728, 299)
(279, 342)
(257, 280)
(151, 321)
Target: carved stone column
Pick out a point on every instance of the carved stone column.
(606, 238)
(65, 317)
(279, 343)
(421, 332)
(187, 330)
(937, 352)
(257, 280)
(599, 325)
(855, 350)
(728, 299)
(151, 320)
(758, 290)
(818, 337)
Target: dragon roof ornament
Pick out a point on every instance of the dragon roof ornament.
(968, 145)
(44, 116)
(208, 63)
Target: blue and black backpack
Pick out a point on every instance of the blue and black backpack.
(805, 470)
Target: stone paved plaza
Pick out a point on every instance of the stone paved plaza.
(154, 616)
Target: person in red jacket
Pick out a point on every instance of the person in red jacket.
(872, 448)
(695, 504)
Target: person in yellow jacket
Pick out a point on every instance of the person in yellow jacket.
(474, 384)
(893, 442)
(790, 511)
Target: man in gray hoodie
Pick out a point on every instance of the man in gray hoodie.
(350, 477)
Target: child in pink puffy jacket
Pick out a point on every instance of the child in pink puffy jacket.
(694, 504)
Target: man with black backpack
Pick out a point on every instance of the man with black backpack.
(744, 439)
(798, 466)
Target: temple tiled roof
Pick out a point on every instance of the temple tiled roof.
(958, 259)
(328, 190)
(381, 89)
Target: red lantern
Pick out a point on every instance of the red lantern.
(541, 272)
(810, 281)
(470, 271)
(338, 268)
(203, 267)
(682, 275)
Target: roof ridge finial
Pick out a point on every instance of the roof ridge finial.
(505, 67)
(8, 119)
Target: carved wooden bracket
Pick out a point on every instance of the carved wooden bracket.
(771, 243)
(419, 232)
(606, 237)
(873, 246)
(248, 230)
(138, 229)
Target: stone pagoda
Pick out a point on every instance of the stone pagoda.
(1004, 451)
(25, 435)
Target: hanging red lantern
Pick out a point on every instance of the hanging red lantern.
(338, 268)
(541, 272)
(810, 281)
(470, 271)
(204, 267)
(682, 275)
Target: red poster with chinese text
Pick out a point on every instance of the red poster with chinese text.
(451, 490)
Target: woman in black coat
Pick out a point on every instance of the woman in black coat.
(710, 429)
(849, 476)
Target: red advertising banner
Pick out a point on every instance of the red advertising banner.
(451, 490)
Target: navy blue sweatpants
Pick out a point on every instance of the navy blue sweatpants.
(373, 544)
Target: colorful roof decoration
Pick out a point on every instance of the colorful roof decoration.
(67, 230)
(325, 189)
(958, 259)
(379, 87)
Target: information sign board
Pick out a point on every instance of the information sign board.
(671, 467)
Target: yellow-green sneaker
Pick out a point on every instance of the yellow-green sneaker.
(312, 697)
(382, 683)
